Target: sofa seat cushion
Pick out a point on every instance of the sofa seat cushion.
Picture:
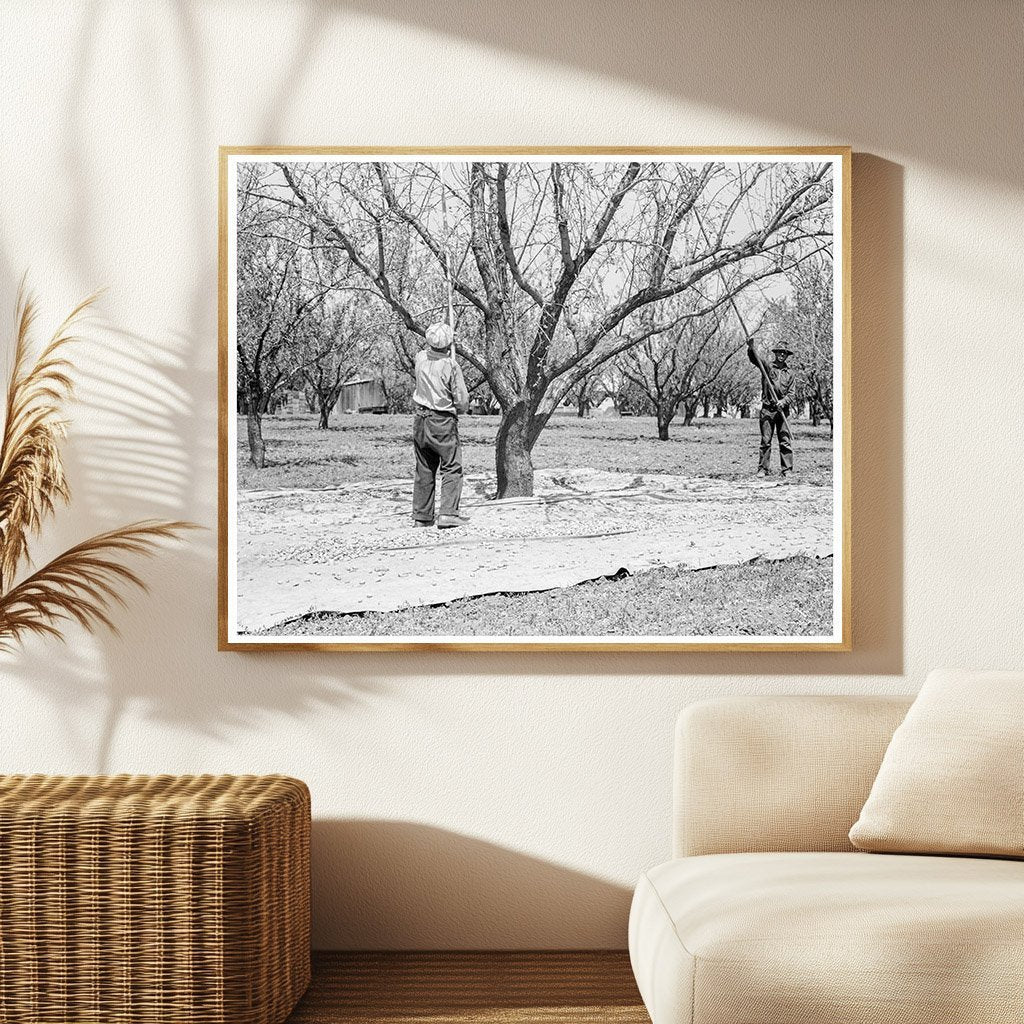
(817, 938)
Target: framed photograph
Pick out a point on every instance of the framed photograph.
(516, 399)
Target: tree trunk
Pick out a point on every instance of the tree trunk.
(744, 412)
(707, 407)
(325, 411)
(664, 415)
(254, 428)
(689, 412)
(513, 453)
(823, 407)
(582, 406)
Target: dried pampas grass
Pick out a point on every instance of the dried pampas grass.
(83, 583)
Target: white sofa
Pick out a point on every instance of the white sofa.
(767, 914)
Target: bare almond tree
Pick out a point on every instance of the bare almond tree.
(280, 293)
(556, 268)
(804, 323)
(332, 349)
(680, 364)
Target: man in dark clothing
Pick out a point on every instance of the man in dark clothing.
(776, 402)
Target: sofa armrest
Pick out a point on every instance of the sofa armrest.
(759, 774)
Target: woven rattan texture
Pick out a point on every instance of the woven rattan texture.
(144, 899)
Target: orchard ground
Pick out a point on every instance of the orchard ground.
(360, 447)
(787, 597)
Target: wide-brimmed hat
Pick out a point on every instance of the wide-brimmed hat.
(782, 351)
(439, 336)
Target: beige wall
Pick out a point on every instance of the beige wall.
(487, 800)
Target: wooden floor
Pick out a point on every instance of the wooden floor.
(466, 988)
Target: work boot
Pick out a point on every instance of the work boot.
(762, 472)
(448, 522)
(420, 522)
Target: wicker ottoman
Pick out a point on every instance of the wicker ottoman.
(135, 899)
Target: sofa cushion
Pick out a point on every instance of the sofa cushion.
(778, 772)
(791, 938)
(950, 780)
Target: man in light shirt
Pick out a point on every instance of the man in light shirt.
(439, 397)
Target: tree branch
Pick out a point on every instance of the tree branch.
(333, 229)
(439, 252)
(505, 234)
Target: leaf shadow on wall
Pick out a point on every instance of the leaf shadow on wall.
(146, 447)
(135, 455)
(406, 885)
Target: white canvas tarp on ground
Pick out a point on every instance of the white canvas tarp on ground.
(354, 548)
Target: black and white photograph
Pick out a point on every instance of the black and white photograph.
(535, 398)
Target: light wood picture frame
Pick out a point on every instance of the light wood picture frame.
(621, 318)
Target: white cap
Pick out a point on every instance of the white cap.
(439, 336)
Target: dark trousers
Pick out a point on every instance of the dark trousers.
(772, 421)
(435, 438)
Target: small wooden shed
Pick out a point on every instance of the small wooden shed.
(363, 395)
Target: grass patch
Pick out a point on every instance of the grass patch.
(366, 447)
(791, 597)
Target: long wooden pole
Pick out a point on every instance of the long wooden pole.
(447, 260)
(759, 362)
